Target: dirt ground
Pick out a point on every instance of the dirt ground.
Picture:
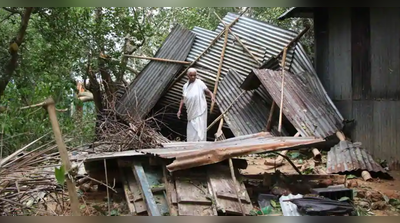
(376, 188)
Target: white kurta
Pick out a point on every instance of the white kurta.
(196, 106)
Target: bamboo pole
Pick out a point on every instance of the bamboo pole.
(49, 104)
(284, 50)
(157, 59)
(282, 89)
(239, 41)
(205, 50)
(221, 61)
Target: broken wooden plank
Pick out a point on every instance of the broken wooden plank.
(135, 196)
(192, 191)
(229, 195)
(144, 186)
(223, 189)
(129, 198)
(190, 199)
(128, 194)
(170, 192)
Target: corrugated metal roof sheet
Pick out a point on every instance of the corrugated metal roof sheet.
(173, 97)
(148, 87)
(267, 38)
(347, 157)
(249, 114)
(304, 68)
(310, 115)
(263, 40)
(204, 154)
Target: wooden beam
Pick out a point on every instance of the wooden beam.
(141, 178)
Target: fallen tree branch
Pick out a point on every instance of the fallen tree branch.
(291, 163)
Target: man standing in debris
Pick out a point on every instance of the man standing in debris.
(194, 97)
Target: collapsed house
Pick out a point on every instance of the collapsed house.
(268, 99)
(249, 76)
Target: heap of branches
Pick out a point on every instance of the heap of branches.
(28, 184)
(117, 132)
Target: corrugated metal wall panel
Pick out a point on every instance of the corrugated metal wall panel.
(371, 105)
(361, 53)
(339, 82)
(386, 122)
(385, 48)
(321, 32)
(363, 131)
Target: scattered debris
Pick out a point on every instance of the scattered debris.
(289, 208)
(322, 206)
(159, 177)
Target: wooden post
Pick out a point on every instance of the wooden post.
(282, 88)
(221, 61)
(73, 196)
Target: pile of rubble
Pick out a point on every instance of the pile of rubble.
(268, 100)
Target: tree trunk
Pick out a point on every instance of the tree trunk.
(13, 50)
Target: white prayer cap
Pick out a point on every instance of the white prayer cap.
(191, 70)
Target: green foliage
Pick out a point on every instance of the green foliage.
(351, 176)
(60, 174)
(55, 54)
